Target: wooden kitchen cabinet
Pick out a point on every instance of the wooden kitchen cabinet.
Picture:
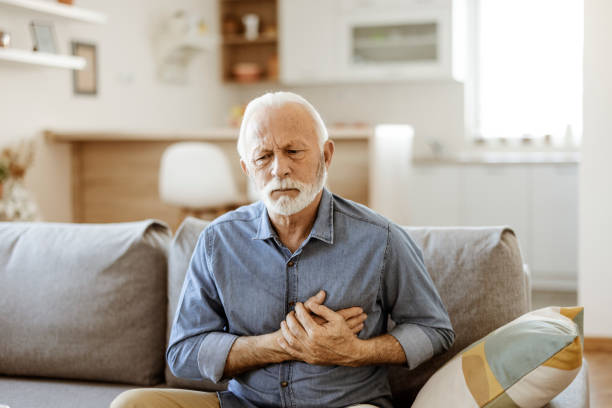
(246, 60)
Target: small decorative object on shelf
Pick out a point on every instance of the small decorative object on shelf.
(251, 26)
(5, 39)
(247, 72)
(178, 41)
(230, 25)
(85, 81)
(43, 37)
(235, 115)
(15, 201)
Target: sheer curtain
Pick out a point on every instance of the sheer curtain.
(529, 68)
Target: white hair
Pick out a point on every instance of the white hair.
(276, 100)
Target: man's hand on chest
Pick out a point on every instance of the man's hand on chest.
(316, 334)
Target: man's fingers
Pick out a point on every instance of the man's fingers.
(318, 319)
(350, 312)
(357, 328)
(325, 313)
(319, 298)
(356, 321)
(287, 347)
(288, 336)
(296, 328)
(303, 316)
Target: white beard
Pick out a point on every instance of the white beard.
(286, 205)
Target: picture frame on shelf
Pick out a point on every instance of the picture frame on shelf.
(85, 81)
(43, 37)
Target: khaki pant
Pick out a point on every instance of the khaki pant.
(172, 398)
(165, 398)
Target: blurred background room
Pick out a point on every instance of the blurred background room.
(444, 113)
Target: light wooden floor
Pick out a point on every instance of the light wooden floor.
(600, 362)
(600, 378)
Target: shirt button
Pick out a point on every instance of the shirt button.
(291, 303)
(284, 384)
(290, 263)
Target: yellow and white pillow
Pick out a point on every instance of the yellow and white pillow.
(525, 363)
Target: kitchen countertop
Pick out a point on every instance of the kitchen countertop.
(211, 134)
(470, 158)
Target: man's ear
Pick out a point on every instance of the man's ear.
(328, 152)
(245, 169)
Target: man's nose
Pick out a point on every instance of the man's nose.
(280, 165)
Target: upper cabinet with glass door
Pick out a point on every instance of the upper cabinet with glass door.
(380, 40)
(410, 39)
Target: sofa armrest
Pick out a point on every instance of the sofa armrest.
(576, 395)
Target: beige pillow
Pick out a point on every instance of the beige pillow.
(524, 363)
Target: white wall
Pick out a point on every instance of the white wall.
(129, 94)
(433, 108)
(595, 214)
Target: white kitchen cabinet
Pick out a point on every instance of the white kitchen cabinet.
(431, 196)
(538, 200)
(554, 220)
(497, 195)
(307, 43)
(372, 40)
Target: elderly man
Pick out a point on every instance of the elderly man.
(289, 297)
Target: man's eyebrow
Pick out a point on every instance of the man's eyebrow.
(295, 143)
(291, 145)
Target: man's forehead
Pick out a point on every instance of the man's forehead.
(288, 125)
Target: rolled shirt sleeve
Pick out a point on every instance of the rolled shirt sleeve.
(199, 342)
(423, 327)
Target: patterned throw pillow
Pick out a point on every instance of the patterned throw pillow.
(525, 363)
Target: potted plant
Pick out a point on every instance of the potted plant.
(16, 204)
(4, 173)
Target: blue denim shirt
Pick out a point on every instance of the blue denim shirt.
(242, 281)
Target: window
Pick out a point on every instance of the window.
(528, 69)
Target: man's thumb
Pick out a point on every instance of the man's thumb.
(318, 299)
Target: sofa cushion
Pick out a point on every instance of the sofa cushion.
(83, 301)
(179, 256)
(479, 275)
(524, 363)
(44, 393)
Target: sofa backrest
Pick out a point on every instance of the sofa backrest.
(477, 271)
(83, 301)
(179, 256)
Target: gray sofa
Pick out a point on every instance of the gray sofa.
(84, 308)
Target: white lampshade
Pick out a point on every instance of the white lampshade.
(196, 175)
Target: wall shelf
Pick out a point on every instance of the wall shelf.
(58, 10)
(261, 53)
(41, 58)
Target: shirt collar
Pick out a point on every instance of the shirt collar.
(322, 229)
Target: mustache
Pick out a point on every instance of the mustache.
(278, 184)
